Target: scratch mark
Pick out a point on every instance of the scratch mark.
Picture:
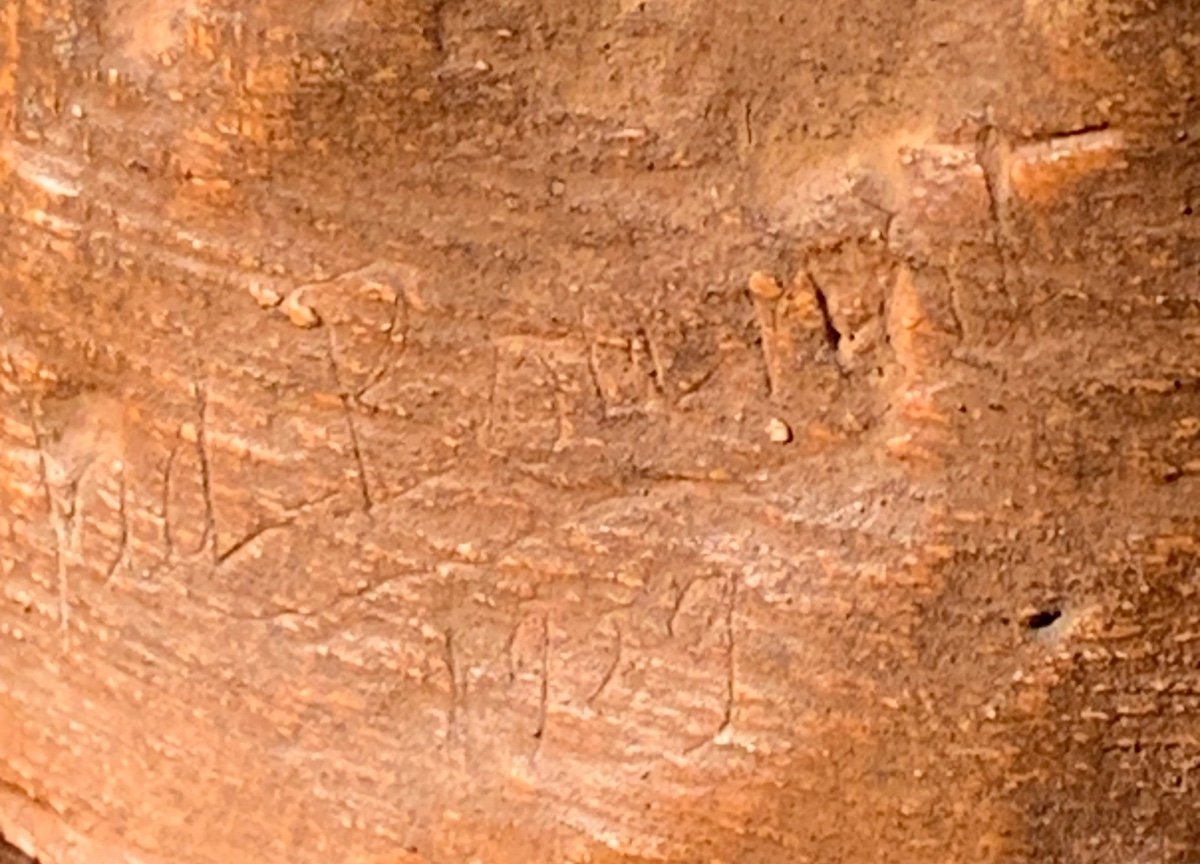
(611, 671)
(168, 470)
(59, 515)
(381, 365)
(660, 372)
(889, 215)
(991, 154)
(730, 655)
(123, 541)
(689, 387)
(681, 594)
(1088, 135)
(593, 370)
(72, 509)
(313, 613)
(509, 643)
(764, 313)
(593, 366)
(210, 532)
(562, 440)
(488, 433)
(544, 692)
(360, 462)
(436, 33)
(289, 520)
(565, 429)
(452, 710)
(347, 401)
(724, 731)
(242, 543)
(956, 307)
(60, 522)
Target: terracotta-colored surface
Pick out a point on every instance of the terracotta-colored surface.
(558, 430)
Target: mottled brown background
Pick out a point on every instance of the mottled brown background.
(595, 430)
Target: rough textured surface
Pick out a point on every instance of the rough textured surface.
(11, 855)
(558, 430)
